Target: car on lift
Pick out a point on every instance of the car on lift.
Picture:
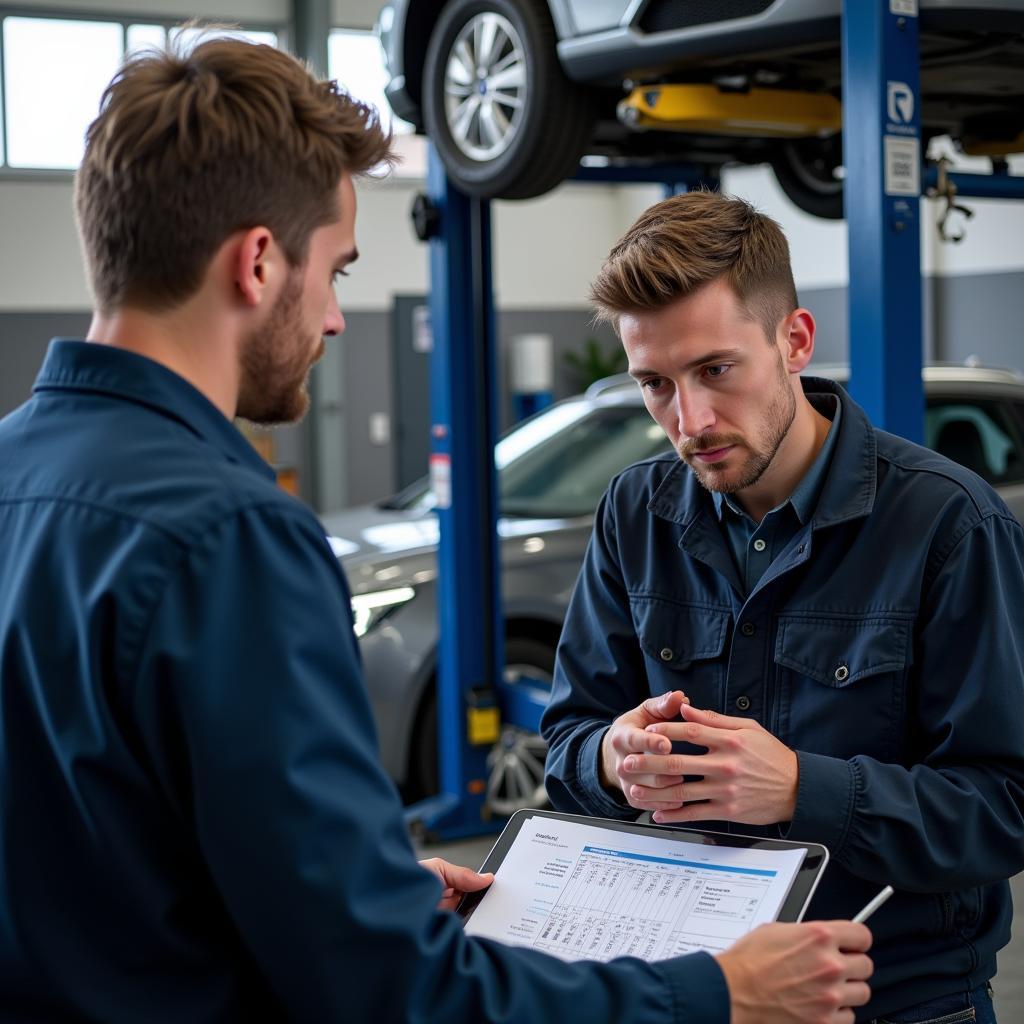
(514, 92)
(552, 470)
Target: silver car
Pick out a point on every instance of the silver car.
(553, 469)
(514, 92)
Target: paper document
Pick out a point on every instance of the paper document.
(586, 893)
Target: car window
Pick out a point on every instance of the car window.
(559, 464)
(568, 473)
(978, 435)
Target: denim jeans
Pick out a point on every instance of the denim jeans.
(960, 1008)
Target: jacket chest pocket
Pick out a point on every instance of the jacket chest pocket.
(683, 648)
(841, 683)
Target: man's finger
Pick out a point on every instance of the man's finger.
(665, 705)
(849, 936)
(692, 732)
(651, 781)
(859, 967)
(670, 795)
(703, 811)
(714, 719)
(638, 741)
(855, 993)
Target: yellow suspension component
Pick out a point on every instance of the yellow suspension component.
(997, 147)
(781, 113)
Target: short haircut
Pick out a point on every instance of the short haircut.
(683, 243)
(190, 147)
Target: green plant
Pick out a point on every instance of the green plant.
(595, 362)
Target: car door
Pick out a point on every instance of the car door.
(983, 433)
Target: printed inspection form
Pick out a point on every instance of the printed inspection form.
(582, 892)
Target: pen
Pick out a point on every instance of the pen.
(874, 905)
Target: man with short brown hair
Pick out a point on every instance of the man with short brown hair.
(796, 624)
(194, 826)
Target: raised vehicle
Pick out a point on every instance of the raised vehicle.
(514, 92)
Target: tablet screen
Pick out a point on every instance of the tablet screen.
(590, 889)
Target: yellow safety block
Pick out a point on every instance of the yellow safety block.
(483, 725)
(705, 108)
(994, 147)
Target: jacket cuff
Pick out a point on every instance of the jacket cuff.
(700, 993)
(824, 801)
(588, 774)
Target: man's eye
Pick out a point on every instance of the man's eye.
(717, 371)
(337, 274)
(653, 383)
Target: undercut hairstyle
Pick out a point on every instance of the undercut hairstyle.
(685, 242)
(190, 147)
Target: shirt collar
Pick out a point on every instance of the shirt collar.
(847, 489)
(805, 497)
(72, 365)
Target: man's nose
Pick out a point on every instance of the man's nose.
(693, 413)
(334, 322)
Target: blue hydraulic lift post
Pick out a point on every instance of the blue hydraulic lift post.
(882, 157)
(463, 402)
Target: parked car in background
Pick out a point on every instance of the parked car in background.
(552, 471)
(514, 92)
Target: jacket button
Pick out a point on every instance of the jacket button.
(748, 629)
(666, 654)
(842, 674)
(743, 703)
(759, 545)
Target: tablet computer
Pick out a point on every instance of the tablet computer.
(594, 889)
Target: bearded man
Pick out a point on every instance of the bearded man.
(797, 624)
(194, 825)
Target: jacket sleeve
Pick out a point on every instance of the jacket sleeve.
(599, 674)
(953, 815)
(250, 699)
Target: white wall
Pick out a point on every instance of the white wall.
(545, 252)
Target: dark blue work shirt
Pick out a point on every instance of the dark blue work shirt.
(755, 545)
(193, 823)
(884, 644)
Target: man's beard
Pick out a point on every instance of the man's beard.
(276, 360)
(762, 451)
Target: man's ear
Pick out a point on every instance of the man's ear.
(797, 337)
(252, 264)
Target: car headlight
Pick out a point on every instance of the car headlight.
(368, 609)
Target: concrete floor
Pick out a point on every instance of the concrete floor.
(1008, 983)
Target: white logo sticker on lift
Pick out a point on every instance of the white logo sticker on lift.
(441, 480)
(907, 7)
(901, 103)
(902, 166)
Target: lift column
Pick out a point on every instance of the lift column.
(463, 412)
(882, 156)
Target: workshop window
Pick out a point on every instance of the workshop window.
(355, 60)
(54, 73)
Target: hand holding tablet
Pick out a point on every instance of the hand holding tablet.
(589, 888)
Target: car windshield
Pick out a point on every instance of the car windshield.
(558, 463)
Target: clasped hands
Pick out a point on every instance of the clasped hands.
(746, 774)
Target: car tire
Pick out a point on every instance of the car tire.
(524, 655)
(806, 172)
(529, 141)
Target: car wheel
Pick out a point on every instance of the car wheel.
(809, 172)
(515, 763)
(506, 121)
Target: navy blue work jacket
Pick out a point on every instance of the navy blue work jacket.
(193, 823)
(885, 645)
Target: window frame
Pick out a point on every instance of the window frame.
(65, 175)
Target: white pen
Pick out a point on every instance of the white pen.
(874, 905)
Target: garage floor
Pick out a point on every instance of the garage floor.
(1008, 983)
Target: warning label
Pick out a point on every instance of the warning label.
(902, 166)
(905, 7)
